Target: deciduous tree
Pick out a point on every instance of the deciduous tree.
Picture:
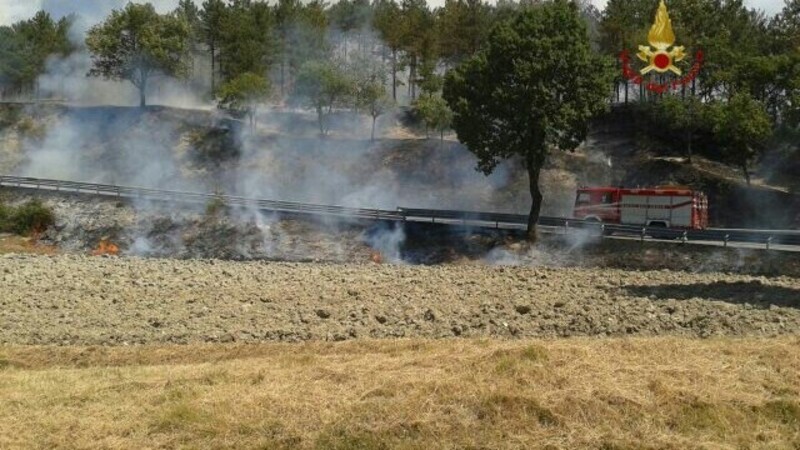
(534, 87)
(322, 85)
(742, 126)
(136, 43)
(245, 93)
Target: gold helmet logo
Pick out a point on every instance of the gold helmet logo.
(661, 37)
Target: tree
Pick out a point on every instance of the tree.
(286, 13)
(462, 28)
(372, 97)
(26, 46)
(244, 93)
(136, 44)
(212, 17)
(188, 11)
(306, 40)
(742, 126)
(247, 39)
(418, 38)
(15, 65)
(683, 117)
(349, 16)
(386, 22)
(435, 114)
(322, 85)
(535, 86)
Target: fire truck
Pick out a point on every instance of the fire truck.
(662, 206)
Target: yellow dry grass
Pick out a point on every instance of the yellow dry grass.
(570, 393)
(19, 244)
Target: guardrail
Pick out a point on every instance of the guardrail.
(445, 217)
(722, 235)
(109, 190)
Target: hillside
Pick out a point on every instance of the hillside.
(285, 158)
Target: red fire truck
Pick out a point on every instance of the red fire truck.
(662, 206)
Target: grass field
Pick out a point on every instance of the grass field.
(408, 394)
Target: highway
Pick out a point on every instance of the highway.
(766, 239)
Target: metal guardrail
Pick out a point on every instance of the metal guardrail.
(722, 235)
(193, 197)
(445, 217)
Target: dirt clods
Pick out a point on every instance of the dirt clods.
(121, 300)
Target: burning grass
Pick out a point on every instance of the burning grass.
(576, 393)
(106, 248)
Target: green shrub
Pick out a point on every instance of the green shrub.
(31, 217)
(5, 218)
(215, 207)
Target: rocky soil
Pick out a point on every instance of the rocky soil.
(118, 301)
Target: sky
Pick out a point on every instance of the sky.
(92, 11)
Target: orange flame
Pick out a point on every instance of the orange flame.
(376, 257)
(106, 247)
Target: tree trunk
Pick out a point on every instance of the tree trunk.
(412, 77)
(536, 198)
(626, 92)
(142, 89)
(394, 74)
(320, 118)
(213, 67)
(746, 174)
(689, 148)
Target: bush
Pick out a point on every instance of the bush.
(32, 217)
(215, 207)
(5, 217)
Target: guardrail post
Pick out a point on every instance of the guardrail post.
(644, 232)
(769, 241)
(685, 237)
(725, 241)
(602, 229)
(497, 225)
(566, 227)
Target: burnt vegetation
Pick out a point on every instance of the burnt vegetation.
(365, 58)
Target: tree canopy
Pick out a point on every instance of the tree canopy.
(533, 88)
(322, 86)
(136, 43)
(745, 53)
(244, 93)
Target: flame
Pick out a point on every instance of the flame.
(661, 35)
(105, 247)
(376, 257)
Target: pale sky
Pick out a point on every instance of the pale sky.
(93, 11)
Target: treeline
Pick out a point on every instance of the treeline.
(368, 55)
(746, 98)
(25, 48)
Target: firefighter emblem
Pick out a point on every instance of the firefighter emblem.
(661, 38)
(660, 57)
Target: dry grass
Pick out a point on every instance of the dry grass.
(18, 244)
(576, 393)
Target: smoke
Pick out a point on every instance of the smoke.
(65, 79)
(184, 143)
(388, 240)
